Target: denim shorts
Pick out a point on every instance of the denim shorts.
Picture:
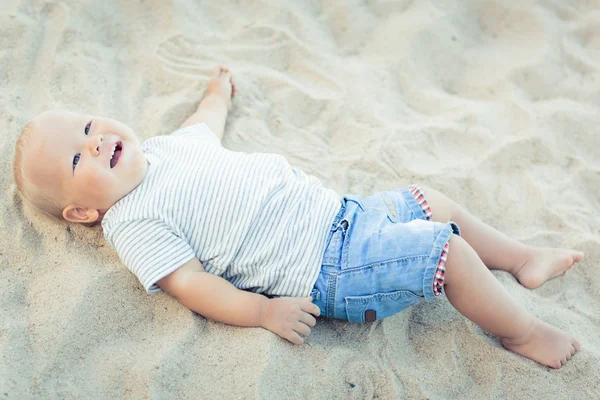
(381, 257)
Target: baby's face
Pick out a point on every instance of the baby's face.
(87, 161)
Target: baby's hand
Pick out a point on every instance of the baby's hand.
(290, 316)
(221, 84)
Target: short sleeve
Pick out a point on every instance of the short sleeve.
(150, 249)
(200, 131)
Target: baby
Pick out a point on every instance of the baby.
(248, 240)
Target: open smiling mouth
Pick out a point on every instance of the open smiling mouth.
(116, 154)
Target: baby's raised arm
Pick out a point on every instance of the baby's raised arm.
(213, 297)
(215, 106)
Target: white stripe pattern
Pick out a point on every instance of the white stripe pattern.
(250, 218)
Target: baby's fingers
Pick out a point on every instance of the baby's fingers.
(308, 319)
(294, 338)
(309, 307)
(302, 329)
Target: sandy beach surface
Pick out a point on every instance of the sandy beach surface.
(495, 103)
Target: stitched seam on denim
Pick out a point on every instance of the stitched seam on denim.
(344, 253)
(329, 263)
(382, 263)
(368, 298)
(332, 282)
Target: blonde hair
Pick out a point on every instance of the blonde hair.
(31, 194)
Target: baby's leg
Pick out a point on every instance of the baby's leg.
(531, 266)
(476, 293)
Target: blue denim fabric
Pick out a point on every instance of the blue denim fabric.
(381, 257)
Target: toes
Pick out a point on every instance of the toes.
(555, 364)
(571, 261)
(225, 73)
(220, 71)
(575, 256)
(576, 345)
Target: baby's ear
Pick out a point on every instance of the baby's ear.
(74, 213)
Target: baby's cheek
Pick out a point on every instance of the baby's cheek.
(93, 179)
(95, 184)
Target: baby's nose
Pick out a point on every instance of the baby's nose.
(94, 144)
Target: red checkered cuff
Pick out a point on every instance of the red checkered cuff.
(418, 194)
(440, 272)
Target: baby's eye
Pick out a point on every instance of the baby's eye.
(75, 160)
(87, 127)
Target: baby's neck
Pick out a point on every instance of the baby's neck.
(101, 215)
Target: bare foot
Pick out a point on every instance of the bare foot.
(545, 344)
(221, 84)
(546, 263)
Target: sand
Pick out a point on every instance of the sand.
(495, 103)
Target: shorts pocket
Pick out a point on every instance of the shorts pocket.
(378, 306)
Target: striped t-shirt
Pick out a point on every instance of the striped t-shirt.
(249, 218)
